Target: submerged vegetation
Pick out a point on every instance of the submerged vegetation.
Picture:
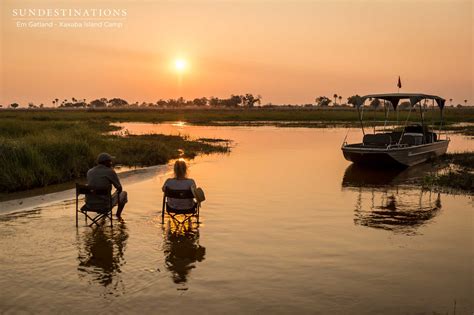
(458, 173)
(40, 152)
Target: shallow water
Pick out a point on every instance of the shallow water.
(288, 226)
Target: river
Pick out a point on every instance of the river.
(288, 226)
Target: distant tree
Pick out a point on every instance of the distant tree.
(236, 100)
(249, 100)
(465, 102)
(14, 105)
(214, 101)
(31, 105)
(335, 99)
(200, 101)
(161, 103)
(117, 102)
(404, 105)
(354, 100)
(323, 101)
(181, 101)
(450, 101)
(375, 103)
(98, 103)
(79, 104)
(41, 105)
(340, 99)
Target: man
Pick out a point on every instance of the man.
(103, 176)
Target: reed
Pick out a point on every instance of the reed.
(37, 153)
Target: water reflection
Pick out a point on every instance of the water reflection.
(386, 201)
(360, 176)
(182, 249)
(101, 254)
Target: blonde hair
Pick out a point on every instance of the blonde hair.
(180, 169)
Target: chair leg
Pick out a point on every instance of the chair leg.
(77, 209)
(163, 207)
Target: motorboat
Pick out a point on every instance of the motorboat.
(407, 146)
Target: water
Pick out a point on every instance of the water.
(288, 226)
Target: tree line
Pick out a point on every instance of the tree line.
(247, 100)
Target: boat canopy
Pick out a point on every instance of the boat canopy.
(395, 98)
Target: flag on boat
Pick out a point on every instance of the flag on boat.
(399, 84)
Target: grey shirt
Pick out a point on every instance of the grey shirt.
(180, 184)
(101, 177)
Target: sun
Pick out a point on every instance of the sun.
(180, 65)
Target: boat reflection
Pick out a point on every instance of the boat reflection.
(385, 199)
(182, 249)
(101, 254)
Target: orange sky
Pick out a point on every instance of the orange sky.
(286, 51)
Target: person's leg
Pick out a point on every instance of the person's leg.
(123, 200)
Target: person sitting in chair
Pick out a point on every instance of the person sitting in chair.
(103, 176)
(180, 181)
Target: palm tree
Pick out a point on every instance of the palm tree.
(340, 99)
(451, 101)
(335, 99)
(465, 102)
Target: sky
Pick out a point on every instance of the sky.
(289, 52)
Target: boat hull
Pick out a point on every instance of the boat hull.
(404, 156)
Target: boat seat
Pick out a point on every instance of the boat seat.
(412, 139)
(382, 139)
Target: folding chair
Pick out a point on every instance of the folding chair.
(100, 213)
(173, 213)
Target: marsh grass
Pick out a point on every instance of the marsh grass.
(457, 175)
(49, 146)
(40, 152)
(231, 115)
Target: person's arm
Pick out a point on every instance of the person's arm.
(115, 181)
(164, 185)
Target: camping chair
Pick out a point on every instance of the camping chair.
(100, 213)
(173, 213)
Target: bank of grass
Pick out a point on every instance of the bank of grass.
(458, 174)
(44, 146)
(37, 153)
(231, 115)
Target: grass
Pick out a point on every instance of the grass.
(40, 152)
(213, 115)
(48, 146)
(458, 175)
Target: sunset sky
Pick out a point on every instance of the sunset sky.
(286, 51)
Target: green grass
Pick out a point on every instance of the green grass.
(40, 152)
(45, 146)
(212, 115)
(458, 174)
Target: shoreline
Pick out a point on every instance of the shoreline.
(32, 201)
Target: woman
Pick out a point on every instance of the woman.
(180, 182)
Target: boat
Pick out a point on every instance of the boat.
(413, 144)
